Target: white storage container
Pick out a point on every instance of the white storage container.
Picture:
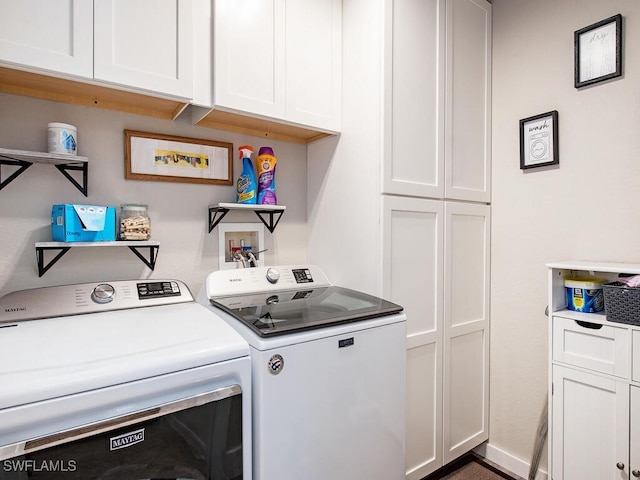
(62, 138)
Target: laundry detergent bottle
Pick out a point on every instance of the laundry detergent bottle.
(246, 187)
(266, 164)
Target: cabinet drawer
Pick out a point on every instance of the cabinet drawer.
(635, 369)
(604, 349)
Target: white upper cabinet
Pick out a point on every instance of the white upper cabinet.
(145, 44)
(249, 66)
(437, 90)
(138, 44)
(468, 101)
(414, 154)
(313, 63)
(279, 59)
(55, 35)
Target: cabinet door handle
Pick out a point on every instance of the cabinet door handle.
(620, 465)
(636, 473)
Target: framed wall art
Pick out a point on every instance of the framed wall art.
(167, 158)
(539, 140)
(598, 51)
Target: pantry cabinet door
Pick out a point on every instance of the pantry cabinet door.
(145, 44)
(54, 36)
(249, 56)
(466, 328)
(412, 276)
(414, 98)
(468, 101)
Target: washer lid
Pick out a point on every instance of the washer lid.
(284, 312)
(47, 358)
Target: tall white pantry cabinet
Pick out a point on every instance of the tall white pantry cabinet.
(415, 228)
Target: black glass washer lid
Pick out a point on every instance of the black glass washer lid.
(270, 314)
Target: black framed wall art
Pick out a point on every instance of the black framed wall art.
(539, 140)
(598, 52)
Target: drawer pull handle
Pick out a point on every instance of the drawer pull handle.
(636, 473)
(620, 465)
(594, 326)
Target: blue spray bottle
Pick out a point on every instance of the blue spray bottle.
(246, 186)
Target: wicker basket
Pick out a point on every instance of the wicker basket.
(621, 303)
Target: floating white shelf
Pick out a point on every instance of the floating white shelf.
(64, 247)
(64, 163)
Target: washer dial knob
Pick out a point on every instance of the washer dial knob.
(273, 275)
(103, 293)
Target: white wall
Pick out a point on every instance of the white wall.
(179, 212)
(587, 208)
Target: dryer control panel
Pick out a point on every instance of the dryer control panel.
(84, 298)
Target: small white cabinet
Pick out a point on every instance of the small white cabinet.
(438, 97)
(279, 59)
(143, 45)
(594, 409)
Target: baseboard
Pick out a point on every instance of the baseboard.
(508, 461)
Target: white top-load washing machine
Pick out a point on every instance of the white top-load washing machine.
(328, 373)
(122, 380)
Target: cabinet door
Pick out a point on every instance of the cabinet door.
(412, 273)
(414, 75)
(635, 349)
(56, 35)
(145, 44)
(590, 433)
(466, 328)
(468, 101)
(249, 61)
(634, 448)
(313, 53)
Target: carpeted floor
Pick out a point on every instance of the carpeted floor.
(472, 467)
(473, 471)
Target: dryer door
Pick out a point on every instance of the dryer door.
(196, 438)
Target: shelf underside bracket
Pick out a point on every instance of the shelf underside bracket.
(21, 164)
(273, 220)
(65, 169)
(153, 254)
(214, 219)
(42, 268)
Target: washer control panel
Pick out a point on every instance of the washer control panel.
(247, 281)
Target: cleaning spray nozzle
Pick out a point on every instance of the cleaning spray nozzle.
(245, 151)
